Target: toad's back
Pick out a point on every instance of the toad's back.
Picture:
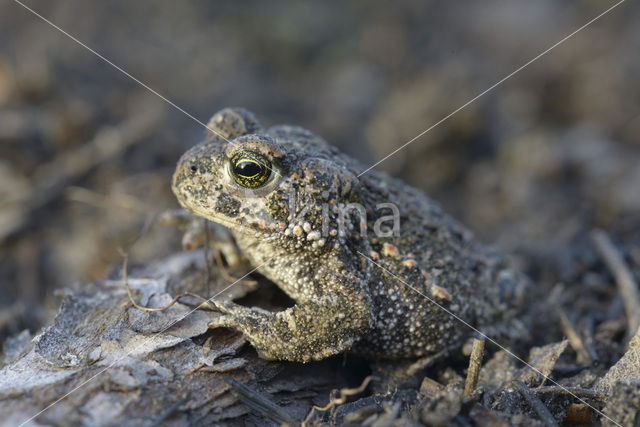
(434, 276)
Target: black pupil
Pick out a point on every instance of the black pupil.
(248, 169)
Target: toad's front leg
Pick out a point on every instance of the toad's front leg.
(307, 331)
(198, 232)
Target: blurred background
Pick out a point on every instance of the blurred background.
(86, 153)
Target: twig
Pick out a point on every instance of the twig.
(125, 278)
(475, 362)
(624, 278)
(344, 393)
(535, 403)
(205, 252)
(258, 402)
(221, 267)
(584, 358)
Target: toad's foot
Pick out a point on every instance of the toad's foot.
(302, 333)
(197, 231)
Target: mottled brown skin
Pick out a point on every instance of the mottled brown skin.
(343, 300)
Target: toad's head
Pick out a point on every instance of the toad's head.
(283, 180)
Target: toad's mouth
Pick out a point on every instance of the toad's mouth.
(238, 225)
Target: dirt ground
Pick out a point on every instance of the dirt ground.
(534, 166)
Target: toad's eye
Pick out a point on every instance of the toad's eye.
(250, 169)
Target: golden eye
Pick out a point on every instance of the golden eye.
(250, 169)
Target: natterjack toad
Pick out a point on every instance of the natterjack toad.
(347, 248)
